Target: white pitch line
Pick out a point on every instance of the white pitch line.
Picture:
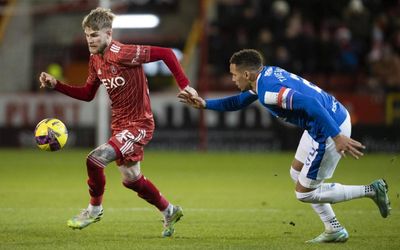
(141, 209)
(195, 210)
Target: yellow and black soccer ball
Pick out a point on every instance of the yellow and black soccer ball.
(51, 134)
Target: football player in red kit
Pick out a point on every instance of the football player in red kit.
(119, 68)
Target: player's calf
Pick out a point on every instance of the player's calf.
(332, 193)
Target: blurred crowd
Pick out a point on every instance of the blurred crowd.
(343, 45)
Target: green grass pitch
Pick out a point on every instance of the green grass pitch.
(230, 201)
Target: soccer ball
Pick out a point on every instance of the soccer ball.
(51, 134)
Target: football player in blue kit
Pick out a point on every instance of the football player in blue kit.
(326, 136)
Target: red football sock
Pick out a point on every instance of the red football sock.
(96, 181)
(147, 191)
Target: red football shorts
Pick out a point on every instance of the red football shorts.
(129, 143)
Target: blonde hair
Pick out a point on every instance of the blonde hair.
(98, 19)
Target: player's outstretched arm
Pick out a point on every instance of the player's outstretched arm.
(85, 93)
(169, 58)
(229, 103)
(47, 80)
(192, 99)
(346, 144)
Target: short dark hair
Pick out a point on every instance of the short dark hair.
(247, 59)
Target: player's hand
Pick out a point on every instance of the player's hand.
(47, 80)
(346, 144)
(190, 90)
(193, 100)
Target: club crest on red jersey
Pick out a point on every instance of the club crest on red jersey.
(113, 69)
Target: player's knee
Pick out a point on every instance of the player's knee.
(307, 197)
(103, 155)
(130, 173)
(294, 174)
(132, 177)
(92, 160)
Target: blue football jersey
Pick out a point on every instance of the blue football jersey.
(283, 94)
(291, 98)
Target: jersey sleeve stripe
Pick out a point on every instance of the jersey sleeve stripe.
(280, 97)
(285, 98)
(289, 99)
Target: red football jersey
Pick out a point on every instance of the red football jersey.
(120, 71)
